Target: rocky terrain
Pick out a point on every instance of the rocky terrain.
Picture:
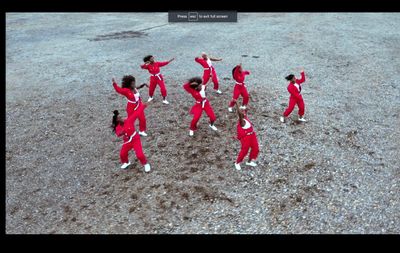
(337, 173)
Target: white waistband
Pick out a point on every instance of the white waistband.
(240, 83)
(157, 75)
(202, 102)
(130, 138)
(133, 102)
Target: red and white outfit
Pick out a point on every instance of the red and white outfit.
(248, 139)
(240, 87)
(202, 104)
(133, 106)
(209, 71)
(156, 77)
(295, 96)
(131, 140)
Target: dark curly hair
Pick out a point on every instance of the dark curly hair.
(115, 120)
(127, 80)
(195, 79)
(147, 58)
(289, 77)
(233, 71)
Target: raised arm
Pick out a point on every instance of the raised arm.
(303, 77)
(145, 65)
(118, 89)
(163, 63)
(187, 88)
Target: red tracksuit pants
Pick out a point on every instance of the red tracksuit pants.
(136, 145)
(139, 114)
(197, 110)
(248, 142)
(206, 76)
(239, 90)
(154, 80)
(292, 102)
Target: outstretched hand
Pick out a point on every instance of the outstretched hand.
(142, 85)
(172, 59)
(113, 80)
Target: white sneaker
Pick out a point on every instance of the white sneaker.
(218, 92)
(142, 133)
(213, 127)
(243, 107)
(150, 98)
(302, 120)
(147, 167)
(125, 165)
(165, 102)
(251, 163)
(237, 166)
(230, 109)
(282, 119)
(191, 132)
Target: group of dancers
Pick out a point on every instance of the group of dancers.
(196, 87)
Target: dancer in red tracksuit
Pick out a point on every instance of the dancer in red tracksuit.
(248, 140)
(126, 129)
(197, 90)
(156, 78)
(134, 103)
(240, 87)
(294, 89)
(209, 70)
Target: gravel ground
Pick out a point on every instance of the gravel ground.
(337, 173)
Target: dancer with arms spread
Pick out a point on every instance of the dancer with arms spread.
(156, 77)
(294, 89)
(209, 70)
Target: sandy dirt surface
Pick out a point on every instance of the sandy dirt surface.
(337, 173)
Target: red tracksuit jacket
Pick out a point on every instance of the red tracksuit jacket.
(293, 90)
(126, 130)
(202, 62)
(129, 126)
(239, 76)
(128, 93)
(155, 67)
(241, 133)
(195, 94)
